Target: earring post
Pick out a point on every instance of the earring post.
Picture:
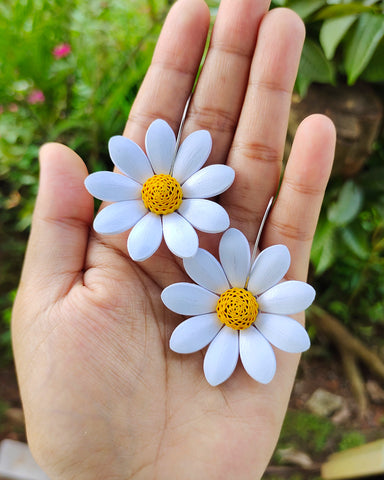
(254, 251)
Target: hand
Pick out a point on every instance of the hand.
(104, 396)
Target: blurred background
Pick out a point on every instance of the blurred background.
(69, 72)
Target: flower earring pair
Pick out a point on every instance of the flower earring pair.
(238, 306)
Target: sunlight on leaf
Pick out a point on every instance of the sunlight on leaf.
(333, 31)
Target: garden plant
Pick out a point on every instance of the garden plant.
(60, 62)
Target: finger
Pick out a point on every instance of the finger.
(294, 216)
(171, 75)
(258, 146)
(60, 226)
(219, 94)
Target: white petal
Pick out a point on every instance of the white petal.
(179, 235)
(284, 333)
(287, 298)
(205, 215)
(130, 158)
(221, 357)
(192, 155)
(235, 257)
(269, 268)
(145, 237)
(189, 299)
(257, 355)
(160, 144)
(119, 217)
(205, 270)
(112, 187)
(195, 333)
(209, 182)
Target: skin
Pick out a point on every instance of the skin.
(104, 397)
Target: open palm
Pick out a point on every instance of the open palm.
(104, 396)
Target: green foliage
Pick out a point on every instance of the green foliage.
(344, 39)
(352, 439)
(342, 8)
(314, 67)
(5, 331)
(348, 249)
(305, 431)
(333, 31)
(304, 8)
(375, 70)
(335, 226)
(359, 50)
(89, 92)
(347, 205)
(4, 406)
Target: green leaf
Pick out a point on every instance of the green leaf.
(372, 180)
(314, 67)
(324, 250)
(332, 32)
(356, 240)
(347, 206)
(342, 10)
(278, 3)
(375, 69)
(370, 2)
(304, 8)
(360, 49)
(302, 84)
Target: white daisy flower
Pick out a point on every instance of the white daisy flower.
(161, 193)
(239, 310)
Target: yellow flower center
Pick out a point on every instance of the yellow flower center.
(162, 194)
(237, 308)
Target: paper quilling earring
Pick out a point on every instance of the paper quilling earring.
(239, 307)
(161, 193)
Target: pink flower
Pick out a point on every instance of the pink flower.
(62, 50)
(36, 96)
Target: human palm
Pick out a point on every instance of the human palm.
(104, 397)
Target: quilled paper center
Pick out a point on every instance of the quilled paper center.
(237, 308)
(162, 194)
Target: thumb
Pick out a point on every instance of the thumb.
(60, 226)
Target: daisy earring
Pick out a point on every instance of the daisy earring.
(161, 193)
(239, 307)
